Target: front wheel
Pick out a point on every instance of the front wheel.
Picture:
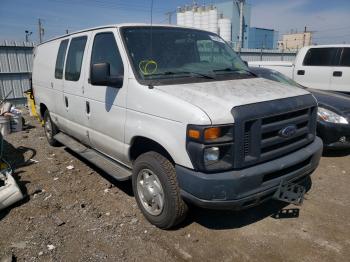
(156, 190)
(50, 129)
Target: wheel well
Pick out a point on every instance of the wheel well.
(142, 145)
(43, 109)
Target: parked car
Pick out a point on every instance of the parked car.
(333, 124)
(178, 112)
(325, 67)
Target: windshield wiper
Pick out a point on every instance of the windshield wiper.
(184, 72)
(234, 70)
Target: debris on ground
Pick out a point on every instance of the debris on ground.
(9, 190)
(70, 167)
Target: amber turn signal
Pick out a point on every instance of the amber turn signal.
(195, 134)
(212, 133)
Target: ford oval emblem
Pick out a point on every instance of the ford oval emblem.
(288, 131)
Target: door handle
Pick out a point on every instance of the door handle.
(301, 72)
(66, 101)
(88, 107)
(337, 73)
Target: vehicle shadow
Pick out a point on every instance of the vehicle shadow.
(125, 186)
(336, 152)
(227, 219)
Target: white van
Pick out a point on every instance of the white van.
(178, 112)
(324, 67)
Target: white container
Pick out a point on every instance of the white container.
(16, 124)
(213, 20)
(225, 29)
(205, 20)
(180, 16)
(5, 128)
(197, 19)
(189, 18)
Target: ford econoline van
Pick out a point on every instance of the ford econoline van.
(176, 111)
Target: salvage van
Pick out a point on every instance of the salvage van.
(176, 111)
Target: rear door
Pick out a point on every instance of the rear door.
(75, 118)
(340, 79)
(316, 69)
(106, 104)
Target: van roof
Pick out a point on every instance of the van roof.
(113, 26)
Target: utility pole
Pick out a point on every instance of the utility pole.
(40, 30)
(304, 36)
(241, 20)
(27, 35)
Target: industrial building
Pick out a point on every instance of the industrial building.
(225, 19)
(262, 38)
(295, 41)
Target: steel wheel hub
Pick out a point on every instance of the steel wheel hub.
(150, 192)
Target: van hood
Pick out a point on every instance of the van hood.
(218, 98)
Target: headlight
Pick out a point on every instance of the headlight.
(330, 116)
(211, 154)
(210, 148)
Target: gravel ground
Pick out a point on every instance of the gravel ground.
(79, 214)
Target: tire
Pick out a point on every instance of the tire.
(162, 171)
(50, 129)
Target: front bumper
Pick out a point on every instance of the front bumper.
(239, 189)
(331, 134)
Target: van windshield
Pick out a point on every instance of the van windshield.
(159, 53)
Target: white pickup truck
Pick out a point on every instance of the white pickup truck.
(325, 67)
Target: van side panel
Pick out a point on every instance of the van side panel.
(43, 74)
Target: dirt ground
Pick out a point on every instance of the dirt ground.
(82, 215)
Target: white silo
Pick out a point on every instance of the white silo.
(197, 18)
(225, 29)
(180, 17)
(213, 20)
(189, 17)
(205, 19)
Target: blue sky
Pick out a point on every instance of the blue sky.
(329, 19)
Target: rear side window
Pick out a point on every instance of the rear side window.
(320, 57)
(345, 58)
(105, 50)
(75, 58)
(60, 59)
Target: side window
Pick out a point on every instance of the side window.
(345, 58)
(320, 57)
(75, 58)
(60, 59)
(105, 50)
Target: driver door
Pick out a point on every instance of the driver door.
(105, 105)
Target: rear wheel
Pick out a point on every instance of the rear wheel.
(50, 129)
(156, 190)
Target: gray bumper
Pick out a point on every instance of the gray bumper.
(239, 189)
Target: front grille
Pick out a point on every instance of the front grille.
(287, 170)
(259, 126)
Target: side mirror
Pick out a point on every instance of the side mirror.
(246, 63)
(101, 76)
